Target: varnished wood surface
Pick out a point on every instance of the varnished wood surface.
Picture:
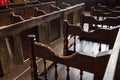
(112, 71)
(50, 23)
(106, 9)
(96, 12)
(70, 60)
(93, 23)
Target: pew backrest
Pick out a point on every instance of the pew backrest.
(106, 9)
(90, 20)
(7, 17)
(100, 13)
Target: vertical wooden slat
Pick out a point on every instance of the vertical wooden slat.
(100, 47)
(56, 74)
(18, 54)
(65, 31)
(81, 74)
(45, 69)
(68, 76)
(34, 74)
(74, 43)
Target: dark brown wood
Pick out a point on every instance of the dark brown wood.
(15, 31)
(72, 13)
(18, 52)
(100, 13)
(8, 18)
(8, 57)
(34, 73)
(65, 60)
(88, 60)
(56, 72)
(106, 9)
(1, 71)
(68, 76)
(81, 75)
(40, 12)
(45, 70)
(109, 21)
(113, 62)
(54, 8)
(97, 35)
(63, 4)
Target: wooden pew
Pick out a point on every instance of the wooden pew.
(113, 70)
(3, 7)
(16, 30)
(54, 8)
(14, 5)
(90, 20)
(8, 18)
(100, 14)
(45, 6)
(21, 4)
(62, 5)
(49, 33)
(72, 13)
(106, 9)
(33, 12)
(32, 2)
(47, 53)
(23, 11)
(13, 19)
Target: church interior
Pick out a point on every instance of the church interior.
(59, 40)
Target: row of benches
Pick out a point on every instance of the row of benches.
(14, 35)
(48, 29)
(95, 64)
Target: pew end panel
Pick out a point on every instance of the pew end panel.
(84, 62)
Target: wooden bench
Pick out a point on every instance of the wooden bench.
(33, 12)
(90, 20)
(3, 7)
(100, 60)
(100, 14)
(73, 13)
(22, 11)
(14, 5)
(113, 69)
(62, 5)
(47, 28)
(54, 8)
(106, 9)
(9, 18)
